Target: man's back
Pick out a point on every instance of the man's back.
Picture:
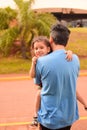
(58, 95)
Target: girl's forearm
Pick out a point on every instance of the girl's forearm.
(32, 71)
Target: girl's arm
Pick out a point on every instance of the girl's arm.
(32, 72)
(81, 100)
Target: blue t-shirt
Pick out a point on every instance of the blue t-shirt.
(58, 94)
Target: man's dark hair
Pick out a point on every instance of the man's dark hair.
(60, 34)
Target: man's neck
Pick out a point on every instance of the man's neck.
(58, 47)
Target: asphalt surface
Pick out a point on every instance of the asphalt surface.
(17, 94)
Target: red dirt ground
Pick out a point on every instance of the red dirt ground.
(17, 103)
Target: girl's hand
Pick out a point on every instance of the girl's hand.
(34, 60)
(69, 55)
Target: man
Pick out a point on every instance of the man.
(58, 77)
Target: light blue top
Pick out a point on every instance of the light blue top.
(58, 95)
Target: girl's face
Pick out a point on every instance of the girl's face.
(40, 49)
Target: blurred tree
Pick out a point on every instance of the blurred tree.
(3, 19)
(6, 15)
(29, 24)
(12, 14)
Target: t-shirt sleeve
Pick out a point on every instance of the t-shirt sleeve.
(78, 64)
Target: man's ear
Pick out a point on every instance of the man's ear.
(51, 40)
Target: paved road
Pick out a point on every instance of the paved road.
(17, 102)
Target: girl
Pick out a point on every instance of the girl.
(40, 47)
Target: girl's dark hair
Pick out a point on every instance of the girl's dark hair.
(39, 39)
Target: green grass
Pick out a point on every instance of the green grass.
(14, 65)
(77, 43)
(83, 63)
(20, 66)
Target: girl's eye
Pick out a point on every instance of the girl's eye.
(41, 48)
(35, 48)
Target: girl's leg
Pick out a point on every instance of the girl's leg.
(37, 102)
(36, 108)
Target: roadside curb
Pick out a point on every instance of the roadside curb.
(28, 123)
(16, 78)
(29, 78)
(83, 74)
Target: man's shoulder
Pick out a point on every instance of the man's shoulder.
(45, 57)
(76, 59)
(75, 56)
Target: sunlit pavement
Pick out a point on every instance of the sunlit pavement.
(17, 103)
